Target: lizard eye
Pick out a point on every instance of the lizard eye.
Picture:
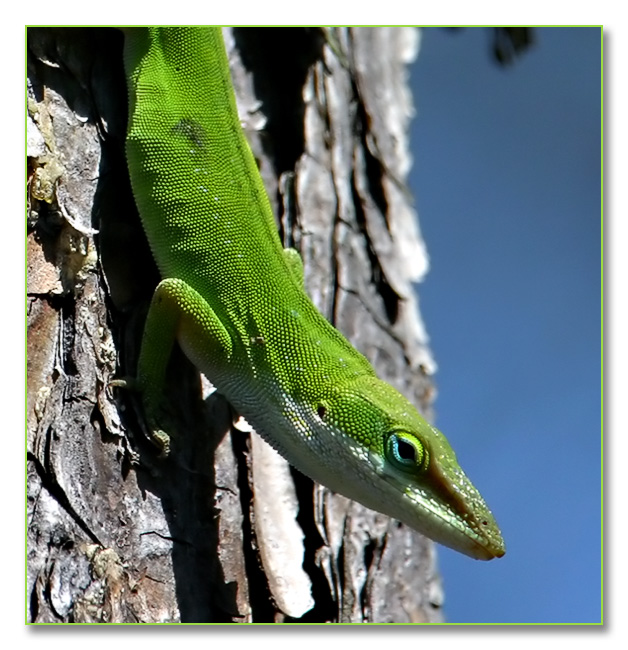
(406, 452)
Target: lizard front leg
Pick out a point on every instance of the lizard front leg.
(177, 312)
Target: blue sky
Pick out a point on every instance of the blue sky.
(506, 178)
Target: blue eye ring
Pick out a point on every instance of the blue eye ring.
(406, 452)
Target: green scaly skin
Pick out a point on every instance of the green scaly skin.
(233, 299)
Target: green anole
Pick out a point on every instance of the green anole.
(233, 299)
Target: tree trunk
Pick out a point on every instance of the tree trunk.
(223, 530)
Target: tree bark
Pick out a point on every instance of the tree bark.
(223, 530)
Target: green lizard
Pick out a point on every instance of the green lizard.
(234, 301)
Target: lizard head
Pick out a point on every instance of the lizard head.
(408, 469)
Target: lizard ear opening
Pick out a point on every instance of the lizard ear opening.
(321, 409)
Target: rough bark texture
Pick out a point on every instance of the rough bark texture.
(223, 530)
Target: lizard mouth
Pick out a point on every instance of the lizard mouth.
(451, 512)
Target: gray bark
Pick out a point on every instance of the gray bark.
(223, 530)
